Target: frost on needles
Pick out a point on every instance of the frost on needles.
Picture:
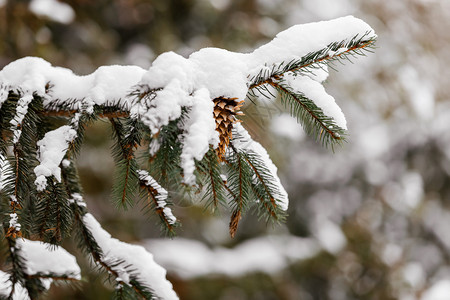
(183, 115)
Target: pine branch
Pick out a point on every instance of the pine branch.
(183, 114)
(334, 52)
(124, 292)
(209, 173)
(71, 112)
(164, 153)
(128, 138)
(54, 216)
(320, 126)
(239, 182)
(156, 199)
(18, 183)
(88, 243)
(18, 274)
(124, 271)
(264, 189)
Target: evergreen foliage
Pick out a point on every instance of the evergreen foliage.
(49, 206)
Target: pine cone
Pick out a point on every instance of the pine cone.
(225, 111)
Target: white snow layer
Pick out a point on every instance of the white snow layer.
(109, 83)
(176, 82)
(45, 259)
(54, 10)
(5, 171)
(21, 111)
(161, 198)
(136, 258)
(20, 293)
(439, 291)
(245, 142)
(316, 92)
(270, 254)
(52, 149)
(200, 133)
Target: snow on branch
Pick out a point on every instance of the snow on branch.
(202, 94)
(6, 287)
(245, 143)
(131, 263)
(35, 266)
(157, 198)
(48, 261)
(52, 149)
(186, 112)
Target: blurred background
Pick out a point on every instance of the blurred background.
(370, 221)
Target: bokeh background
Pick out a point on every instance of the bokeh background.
(369, 221)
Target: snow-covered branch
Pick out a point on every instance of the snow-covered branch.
(186, 112)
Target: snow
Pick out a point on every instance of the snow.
(52, 149)
(135, 258)
(45, 259)
(269, 254)
(173, 82)
(13, 222)
(21, 111)
(299, 40)
(3, 94)
(65, 163)
(107, 84)
(20, 293)
(315, 91)
(161, 197)
(245, 142)
(54, 10)
(200, 133)
(339, 51)
(439, 291)
(77, 199)
(5, 170)
(178, 82)
(224, 73)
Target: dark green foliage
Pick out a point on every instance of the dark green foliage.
(209, 175)
(124, 292)
(151, 196)
(312, 118)
(54, 214)
(127, 136)
(315, 123)
(164, 165)
(16, 271)
(265, 191)
(306, 64)
(141, 290)
(134, 291)
(250, 183)
(7, 112)
(239, 184)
